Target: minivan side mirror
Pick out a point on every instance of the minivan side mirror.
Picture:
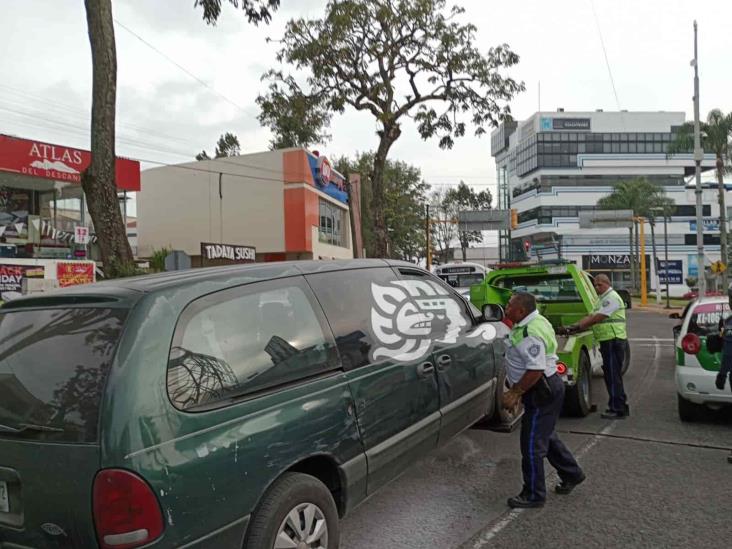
(493, 313)
(675, 316)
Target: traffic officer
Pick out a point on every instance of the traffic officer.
(608, 325)
(531, 366)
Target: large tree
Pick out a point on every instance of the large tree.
(99, 181)
(464, 198)
(227, 145)
(443, 229)
(396, 60)
(403, 209)
(716, 137)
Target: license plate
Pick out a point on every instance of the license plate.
(4, 499)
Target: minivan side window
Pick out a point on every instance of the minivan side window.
(347, 299)
(247, 339)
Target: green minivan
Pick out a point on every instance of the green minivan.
(248, 406)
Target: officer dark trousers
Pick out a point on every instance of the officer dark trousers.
(612, 352)
(538, 440)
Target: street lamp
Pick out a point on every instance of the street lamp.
(665, 245)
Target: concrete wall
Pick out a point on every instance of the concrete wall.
(180, 206)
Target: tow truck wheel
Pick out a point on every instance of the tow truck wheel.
(578, 399)
(626, 357)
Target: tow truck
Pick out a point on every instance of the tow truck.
(564, 294)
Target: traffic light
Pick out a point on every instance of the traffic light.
(514, 218)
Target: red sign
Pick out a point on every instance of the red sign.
(71, 274)
(38, 159)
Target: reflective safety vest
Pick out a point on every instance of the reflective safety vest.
(613, 327)
(538, 327)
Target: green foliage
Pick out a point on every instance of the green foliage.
(295, 118)
(227, 145)
(157, 259)
(463, 198)
(716, 134)
(393, 59)
(641, 196)
(404, 208)
(443, 230)
(446, 205)
(255, 10)
(120, 269)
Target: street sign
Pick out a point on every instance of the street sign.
(485, 220)
(673, 269)
(718, 267)
(81, 235)
(597, 219)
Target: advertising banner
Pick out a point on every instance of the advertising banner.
(11, 276)
(232, 252)
(73, 273)
(673, 269)
(37, 159)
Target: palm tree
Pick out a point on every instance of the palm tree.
(642, 197)
(716, 138)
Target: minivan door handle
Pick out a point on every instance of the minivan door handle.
(443, 361)
(425, 369)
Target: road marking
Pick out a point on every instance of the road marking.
(651, 339)
(510, 516)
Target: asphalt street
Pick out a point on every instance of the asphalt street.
(652, 480)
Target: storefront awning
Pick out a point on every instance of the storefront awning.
(48, 161)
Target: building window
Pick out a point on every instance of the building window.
(332, 224)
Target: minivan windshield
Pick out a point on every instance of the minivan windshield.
(53, 368)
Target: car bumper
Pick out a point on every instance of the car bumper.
(697, 385)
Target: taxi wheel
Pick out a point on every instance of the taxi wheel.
(626, 357)
(689, 411)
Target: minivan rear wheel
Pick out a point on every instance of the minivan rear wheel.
(297, 511)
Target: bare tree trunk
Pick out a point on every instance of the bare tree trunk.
(98, 181)
(387, 138)
(722, 221)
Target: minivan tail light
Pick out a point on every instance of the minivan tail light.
(126, 512)
(691, 344)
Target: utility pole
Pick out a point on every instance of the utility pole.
(429, 242)
(665, 244)
(698, 157)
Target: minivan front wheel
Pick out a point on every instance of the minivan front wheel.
(298, 511)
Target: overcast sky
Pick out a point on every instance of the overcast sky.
(166, 115)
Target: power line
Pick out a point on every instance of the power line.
(181, 67)
(604, 50)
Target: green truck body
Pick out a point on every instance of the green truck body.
(564, 294)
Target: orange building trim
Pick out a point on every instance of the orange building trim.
(296, 168)
(301, 214)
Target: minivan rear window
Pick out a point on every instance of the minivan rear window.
(53, 367)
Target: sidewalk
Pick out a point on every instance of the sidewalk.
(653, 307)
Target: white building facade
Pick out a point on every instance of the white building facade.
(556, 164)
